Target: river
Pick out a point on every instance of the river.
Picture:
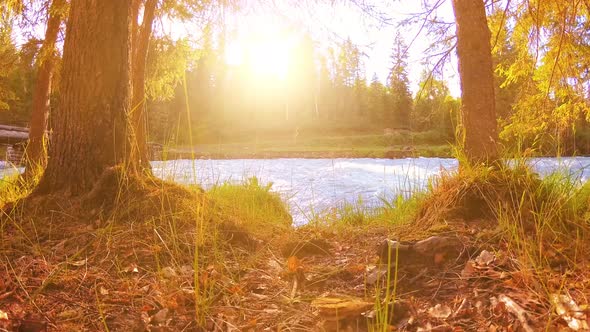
(310, 186)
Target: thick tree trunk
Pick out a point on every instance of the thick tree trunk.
(89, 134)
(477, 81)
(138, 105)
(35, 151)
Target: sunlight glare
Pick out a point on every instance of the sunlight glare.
(234, 54)
(269, 58)
(265, 48)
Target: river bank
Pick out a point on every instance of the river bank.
(492, 251)
(253, 151)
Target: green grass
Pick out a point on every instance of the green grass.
(255, 206)
(398, 144)
(154, 225)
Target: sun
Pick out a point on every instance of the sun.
(264, 49)
(269, 58)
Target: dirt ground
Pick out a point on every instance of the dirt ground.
(311, 279)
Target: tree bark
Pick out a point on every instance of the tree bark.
(477, 81)
(89, 134)
(35, 157)
(138, 105)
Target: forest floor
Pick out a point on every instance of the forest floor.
(234, 263)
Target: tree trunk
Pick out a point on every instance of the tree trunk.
(477, 81)
(138, 105)
(35, 151)
(89, 134)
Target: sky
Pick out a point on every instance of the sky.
(328, 23)
(331, 23)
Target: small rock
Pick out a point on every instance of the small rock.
(440, 311)
(375, 274)
(168, 273)
(435, 249)
(186, 271)
(388, 250)
(437, 244)
(160, 317)
(485, 258)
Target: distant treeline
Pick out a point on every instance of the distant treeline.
(319, 94)
(195, 96)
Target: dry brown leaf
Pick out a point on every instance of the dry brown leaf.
(440, 311)
(147, 307)
(293, 264)
(236, 289)
(356, 268)
(570, 312)
(469, 270)
(485, 258)
(249, 325)
(103, 291)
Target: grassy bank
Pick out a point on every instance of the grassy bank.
(484, 248)
(394, 145)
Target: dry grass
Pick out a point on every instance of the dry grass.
(130, 248)
(143, 253)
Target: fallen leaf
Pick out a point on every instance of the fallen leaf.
(485, 258)
(249, 325)
(147, 307)
(570, 312)
(440, 311)
(469, 270)
(103, 291)
(236, 289)
(3, 315)
(356, 268)
(293, 264)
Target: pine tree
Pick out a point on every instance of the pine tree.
(477, 81)
(376, 100)
(89, 132)
(399, 91)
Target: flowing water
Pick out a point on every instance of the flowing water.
(311, 186)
